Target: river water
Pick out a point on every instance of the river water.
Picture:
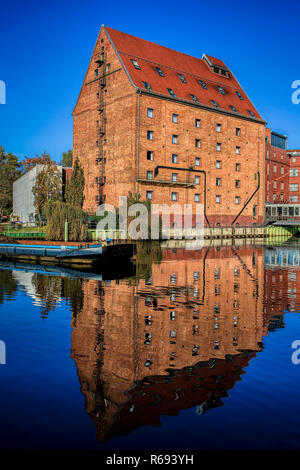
(188, 349)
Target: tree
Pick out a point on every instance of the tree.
(57, 213)
(10, 171)
(74, 187)
(48, 184)
(67, 158)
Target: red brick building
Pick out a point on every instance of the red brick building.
(294, 175)
(174, 128)
(277, 169)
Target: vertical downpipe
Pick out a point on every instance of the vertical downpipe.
(138, 146)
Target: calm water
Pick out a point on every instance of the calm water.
(187, 350)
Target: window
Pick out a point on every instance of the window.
(150, 135)
(197, 143)
(294, 172)
(219, 127)
(221, 90)
(294, 199)
(218, 164)
(174, 158)
(159, 71)
(281, 197)
(197, 161)
(218, 199)
(282, 170)
(214, 103)
(149, 175)
(275, 168)
(149, 155)
(294, 160)
(136, 64)
(237, 167)
(147, 86)
(175, 118)
(174, 139)
(195, 99)
(254, 211)
(237, 150)
(239, 95)
(174, 177)
(237, 199)
(149, 195)
(232, 108)
(218, 181)
(237, 183)
(251, 113)
(197, 197)
(203, 84)
(238, 132)
(171, 91)
(197, 179)
(96, 73)
(150, 113)
(294, 187)
(174, 196)
(218, 147)
(197, 122)
(108, 68)
(182, 78)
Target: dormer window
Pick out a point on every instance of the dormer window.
(195, 99)
(171, 91)
(203, 84)
(239, 95)
(214, 103)
(147, 86)
(221, 90)
(251, 113)
(136, 64)
(159, 71)
(232, 108)
(182, 78)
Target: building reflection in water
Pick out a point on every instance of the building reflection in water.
(179, 338)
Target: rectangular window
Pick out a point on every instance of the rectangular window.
(150, 113)
(197, 161)
(237, 199)
(174, 139)
(294, 187)
(238, 132)
(197, 179)
(174, 158)
(218, 147)
(149, 155)
(197, 143)
(150, 135)
(171, 91)
(135, 64)
(159, 71)
(218, 199)
(108, 68)
(219, 127)
(254, 211)
(274, 184)
(282, 185)
(197, 122)
(237, 167)
(197, 197)
(218, 164)
(275, 168)
(174, 196)
(203, 84)
(175, 118)
(218, 181)
(237, 150)
(174, 177)
(149, 195)
(149, 175)
(294, 199)
(147, 86)
(294, 172)
(282, 170)
(237, 183)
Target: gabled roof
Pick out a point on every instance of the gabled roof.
(150, 55)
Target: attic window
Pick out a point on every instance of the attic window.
(221, 90)
(203, 84)
(214, 103)
(239, 95)
(136, 64)
(147, 86)
(182, 78)
(171, 91)
(232, 108)
(195, 99)
(251, 113)
(159, 71)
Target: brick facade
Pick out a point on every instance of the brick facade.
(276, 172)
(114, 135)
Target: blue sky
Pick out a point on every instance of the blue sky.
(46, 47)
